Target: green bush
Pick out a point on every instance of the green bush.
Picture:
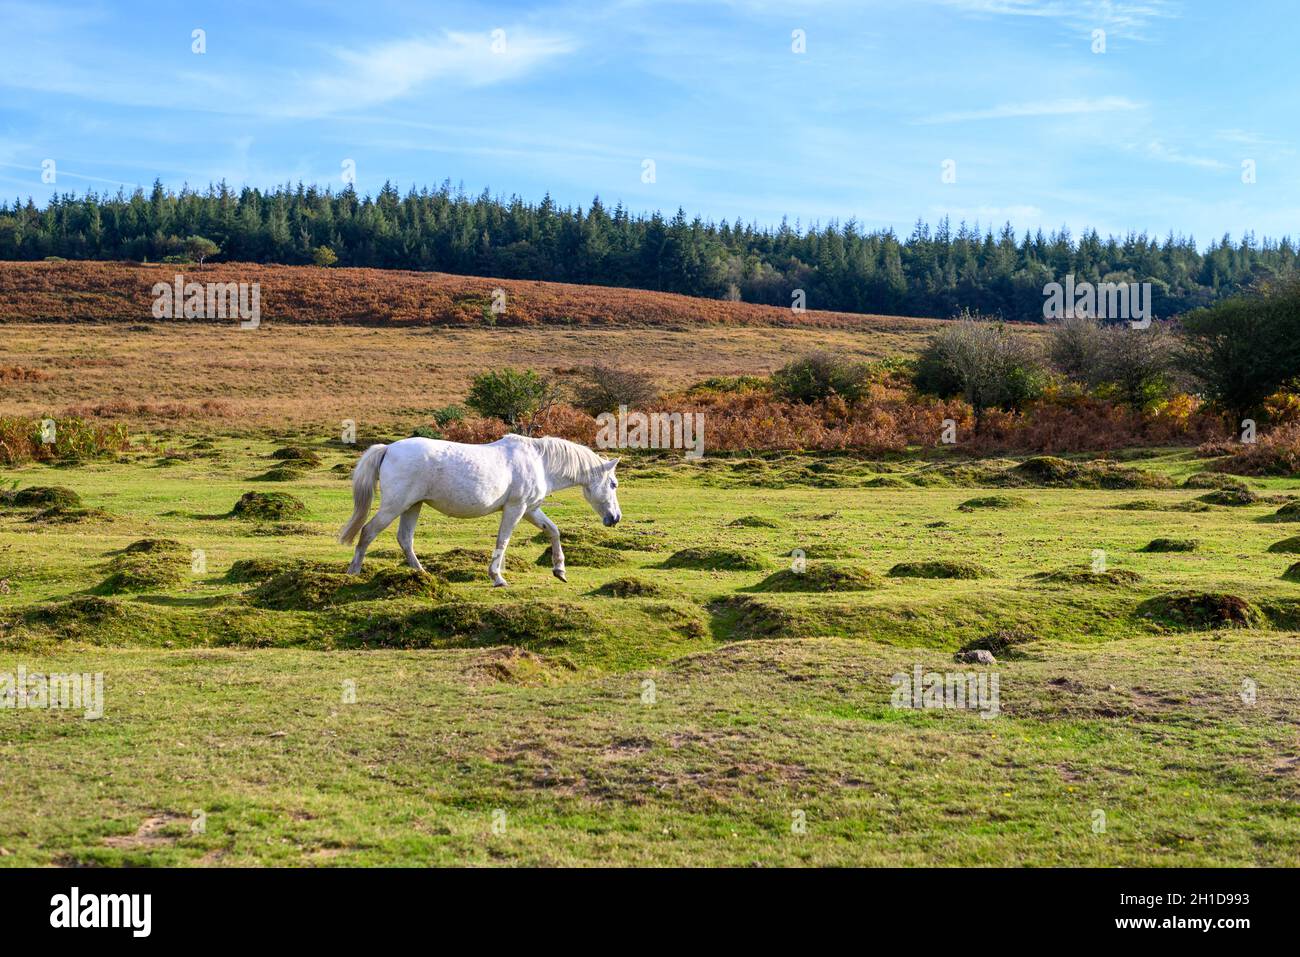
(820, 375)
(983, 362)
(516, 397)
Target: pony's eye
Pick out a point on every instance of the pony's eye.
(613, 484)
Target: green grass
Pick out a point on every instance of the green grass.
(534, 701)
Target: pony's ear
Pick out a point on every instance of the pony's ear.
(609, 466)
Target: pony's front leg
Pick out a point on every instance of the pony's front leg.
(510, 516)
(539, 518)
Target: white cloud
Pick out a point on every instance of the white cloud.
(1128, 19)
(1157, 150)
(1065, 107)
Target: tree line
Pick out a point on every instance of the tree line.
(841, 266)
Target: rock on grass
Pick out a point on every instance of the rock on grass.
(1201, 610)
(939, 569)
(820, 577)
(718, 559)
(267, 505)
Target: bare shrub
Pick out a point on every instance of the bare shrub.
(603, 388)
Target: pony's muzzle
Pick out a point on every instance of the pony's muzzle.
(611, 520)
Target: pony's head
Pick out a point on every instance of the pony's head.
(600, 492)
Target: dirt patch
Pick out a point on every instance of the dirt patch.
(150, 833)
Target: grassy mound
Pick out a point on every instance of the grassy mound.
(156, 546)
(281, 473)
(59, 515)
(1086, 576)
(534, 624)
(306, 589)
(468, 564)
(885, 481)
(580, 555)
(42, 496)
(144, 571)
(746, 617)
(1172, 545)
(247, 570)
(1212, 480)
(601, 537)
(718, 559)
(753, 521)
(1201, 610)
(939, 569)
(993, 501)
(1292, 574)
(1230, 496)
(1290, 512)
(297, 457)
(630, 587)
(819, 577)
(270, 506)
(1288, 546)
(1053, 472)
(77, 613)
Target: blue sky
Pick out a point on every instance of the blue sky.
(1149, 135)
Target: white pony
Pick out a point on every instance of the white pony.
(512, 476)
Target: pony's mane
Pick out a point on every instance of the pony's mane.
(568, 459)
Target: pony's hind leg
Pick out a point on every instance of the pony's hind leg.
(510, 516)
(406, 535)
(382, 519)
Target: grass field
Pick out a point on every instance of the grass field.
(709, 715)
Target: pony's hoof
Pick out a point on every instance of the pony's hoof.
(559, 573)
(501, 584)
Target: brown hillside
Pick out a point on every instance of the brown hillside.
(122, 292)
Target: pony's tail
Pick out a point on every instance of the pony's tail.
(364, 477)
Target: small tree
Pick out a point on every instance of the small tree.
(200, 248)
(1241, 350)
(983, 362)
(604, 388)
(1075, 347)
(1136, 362)
(516, 397)
(820, 375)
(324, 256)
